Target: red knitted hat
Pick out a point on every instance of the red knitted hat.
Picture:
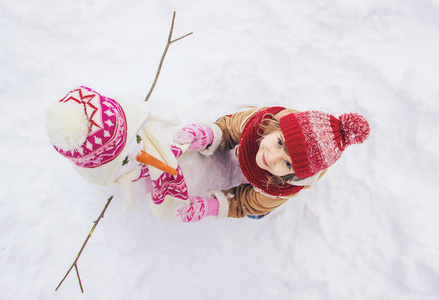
(315, 140)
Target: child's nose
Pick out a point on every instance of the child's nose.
(276, 157)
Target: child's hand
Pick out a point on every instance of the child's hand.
(199, 208)
(199, 136)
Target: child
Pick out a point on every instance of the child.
(280, 152)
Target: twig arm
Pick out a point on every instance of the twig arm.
(75, 262)
(170, 41)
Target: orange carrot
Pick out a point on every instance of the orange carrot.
(146, 158)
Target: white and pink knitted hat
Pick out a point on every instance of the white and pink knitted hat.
(315, 140)
(92, 131)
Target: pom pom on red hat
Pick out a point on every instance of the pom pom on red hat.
(355, 128)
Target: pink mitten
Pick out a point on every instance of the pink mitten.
(199, 208)
(199, 136)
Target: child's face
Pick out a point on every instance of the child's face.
(272, 156)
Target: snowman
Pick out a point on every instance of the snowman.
(112, 142)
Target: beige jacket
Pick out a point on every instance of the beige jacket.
(242, 200)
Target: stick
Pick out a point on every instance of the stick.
(148, 159)
(75, 262)
(170, 41)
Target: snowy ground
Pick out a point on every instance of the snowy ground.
(368, 230)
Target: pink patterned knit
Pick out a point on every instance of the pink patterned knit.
(107, 133)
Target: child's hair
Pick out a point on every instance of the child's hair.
(270, 125)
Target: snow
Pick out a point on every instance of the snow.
(367, 230)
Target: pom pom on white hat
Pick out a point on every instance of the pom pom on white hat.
(67, 125)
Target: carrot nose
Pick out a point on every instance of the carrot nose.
(148, 159)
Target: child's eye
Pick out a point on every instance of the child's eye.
(289, 166)
(280, 142)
